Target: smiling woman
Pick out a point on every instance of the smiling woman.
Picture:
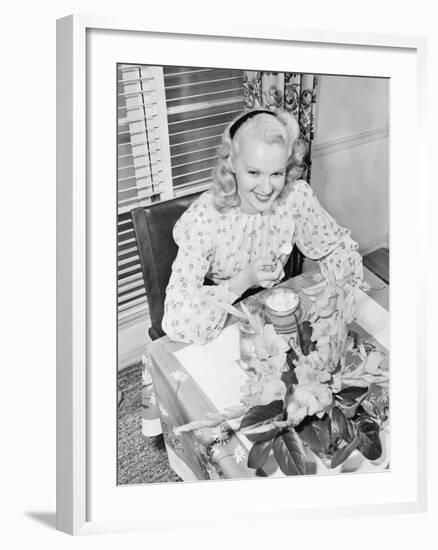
(256, 152)
(234, 234)
(259, 162)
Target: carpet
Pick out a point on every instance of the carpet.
(140, 459)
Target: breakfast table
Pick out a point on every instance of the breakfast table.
(193, 382)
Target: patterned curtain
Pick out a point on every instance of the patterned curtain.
(293, 92)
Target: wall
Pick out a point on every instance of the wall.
(350, 170)
(132, 342)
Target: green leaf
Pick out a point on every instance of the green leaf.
(342, 425)
(316, 432)
(291, 356)
(304, 335)
(258, 455)
(370, 408)
(290, 453)
(350, 400)
(345, 402)
(261, 432)
(350, 412)
(262, 414)
(289, 377)
(351, 393)
(352, 407)
(343, 453)
(368, 432)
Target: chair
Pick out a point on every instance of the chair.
(153, 226)
(294, 264)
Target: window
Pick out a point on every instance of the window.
(170, 123)
(200, 103)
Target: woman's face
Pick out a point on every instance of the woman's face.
(260, 170)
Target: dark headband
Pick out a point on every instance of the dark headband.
(245, 117)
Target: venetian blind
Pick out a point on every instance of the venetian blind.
(200, 103)
(170, 123)
(143, 170)
(143, 163)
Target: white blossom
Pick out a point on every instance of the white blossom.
(239, 454)
(179, 376)
(220, 435)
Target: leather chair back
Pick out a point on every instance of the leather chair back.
(153, 227)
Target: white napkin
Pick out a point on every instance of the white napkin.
(214, 367)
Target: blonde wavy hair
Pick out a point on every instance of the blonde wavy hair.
(281, 128)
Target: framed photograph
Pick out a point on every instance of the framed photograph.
(235, 289)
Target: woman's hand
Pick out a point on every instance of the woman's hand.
(264, 272)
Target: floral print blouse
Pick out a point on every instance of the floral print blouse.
(218, 245)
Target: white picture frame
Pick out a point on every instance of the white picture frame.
(81, 420)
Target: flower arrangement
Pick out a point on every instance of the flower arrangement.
(325, 391)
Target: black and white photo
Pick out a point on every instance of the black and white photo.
(253, 274)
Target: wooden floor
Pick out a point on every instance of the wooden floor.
(378, 263)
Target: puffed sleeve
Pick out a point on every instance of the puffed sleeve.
(319, 237)
(190, 314)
